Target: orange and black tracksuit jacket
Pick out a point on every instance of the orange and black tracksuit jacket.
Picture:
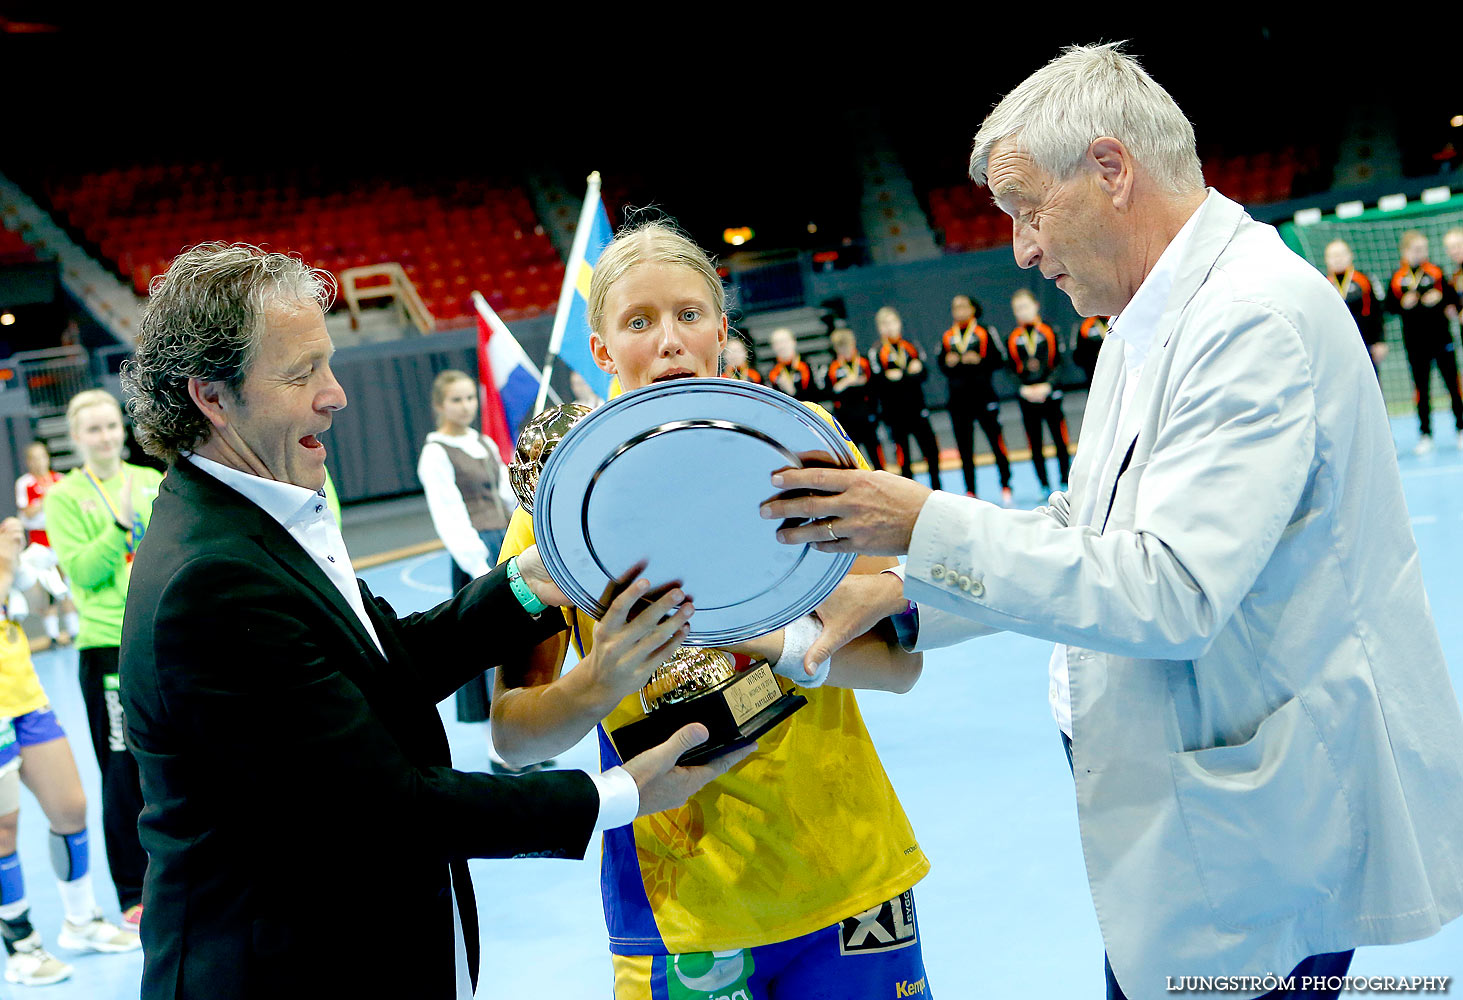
(1356, 290)
(853, 404)
(1090, 336)
(901, 399)
(969, 382)
(748, 374)
(1423, 327)
(1033, 353)
(802, 378)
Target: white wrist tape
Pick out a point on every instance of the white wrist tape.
(797, 638)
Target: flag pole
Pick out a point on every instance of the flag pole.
(571, 279)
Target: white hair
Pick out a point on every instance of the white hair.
(1087, 92)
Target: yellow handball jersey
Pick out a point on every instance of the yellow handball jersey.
(805, 832)
(20, 688)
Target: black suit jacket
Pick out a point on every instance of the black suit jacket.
(301, 812)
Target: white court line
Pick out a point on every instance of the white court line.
(1425, 519)
(411, 567)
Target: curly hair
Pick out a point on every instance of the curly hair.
(204, 320)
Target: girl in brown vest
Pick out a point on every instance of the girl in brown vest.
(470, 501)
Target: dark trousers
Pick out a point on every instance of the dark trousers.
(121, 787)
(1421, 357)
(916, 425)
(1328, 964)
(1033, 415)
(474, 699)
(965, 413)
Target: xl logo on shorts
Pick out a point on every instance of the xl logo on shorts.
(886, 927)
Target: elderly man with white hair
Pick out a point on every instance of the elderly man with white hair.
(1267, 749)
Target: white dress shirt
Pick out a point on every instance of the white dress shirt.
(1134, 326)
(445, 503)
(306, 516)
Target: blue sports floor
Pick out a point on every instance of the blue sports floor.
(974, 755)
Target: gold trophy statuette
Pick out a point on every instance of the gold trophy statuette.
(536, 441)
(694, 685)
(703, 685)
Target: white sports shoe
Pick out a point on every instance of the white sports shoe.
(1424, 445)
(97, 934)
(33, 965)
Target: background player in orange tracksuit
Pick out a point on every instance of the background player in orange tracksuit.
(899, 373)
(735, 363)
(1356, 290)
(969, 357)
(1033, 353)
(1453, 243)
(1090, 335)
(1420, 295)
(791, 373)
(851, 390)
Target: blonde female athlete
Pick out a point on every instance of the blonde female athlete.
(791, 875)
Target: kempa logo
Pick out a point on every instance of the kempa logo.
(908, 989)
(116, 742)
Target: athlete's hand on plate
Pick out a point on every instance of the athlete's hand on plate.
(859, 603)
(640, 630)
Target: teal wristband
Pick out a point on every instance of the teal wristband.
(526, 597)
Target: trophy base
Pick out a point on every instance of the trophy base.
(734, 714)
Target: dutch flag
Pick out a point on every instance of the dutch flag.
(509, 380)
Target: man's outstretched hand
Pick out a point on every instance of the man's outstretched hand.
(664, 784)
(868, 512)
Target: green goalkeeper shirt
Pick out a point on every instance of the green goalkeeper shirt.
(91, 548)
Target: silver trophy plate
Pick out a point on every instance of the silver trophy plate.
(673, 474)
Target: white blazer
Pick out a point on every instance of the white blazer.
(1268, 750)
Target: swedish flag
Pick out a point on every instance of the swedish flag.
(570, 339)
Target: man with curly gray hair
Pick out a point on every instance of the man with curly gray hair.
(1267, 748)
(295, 772)
(204, 327)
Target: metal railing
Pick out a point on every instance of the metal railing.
(51, 377)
